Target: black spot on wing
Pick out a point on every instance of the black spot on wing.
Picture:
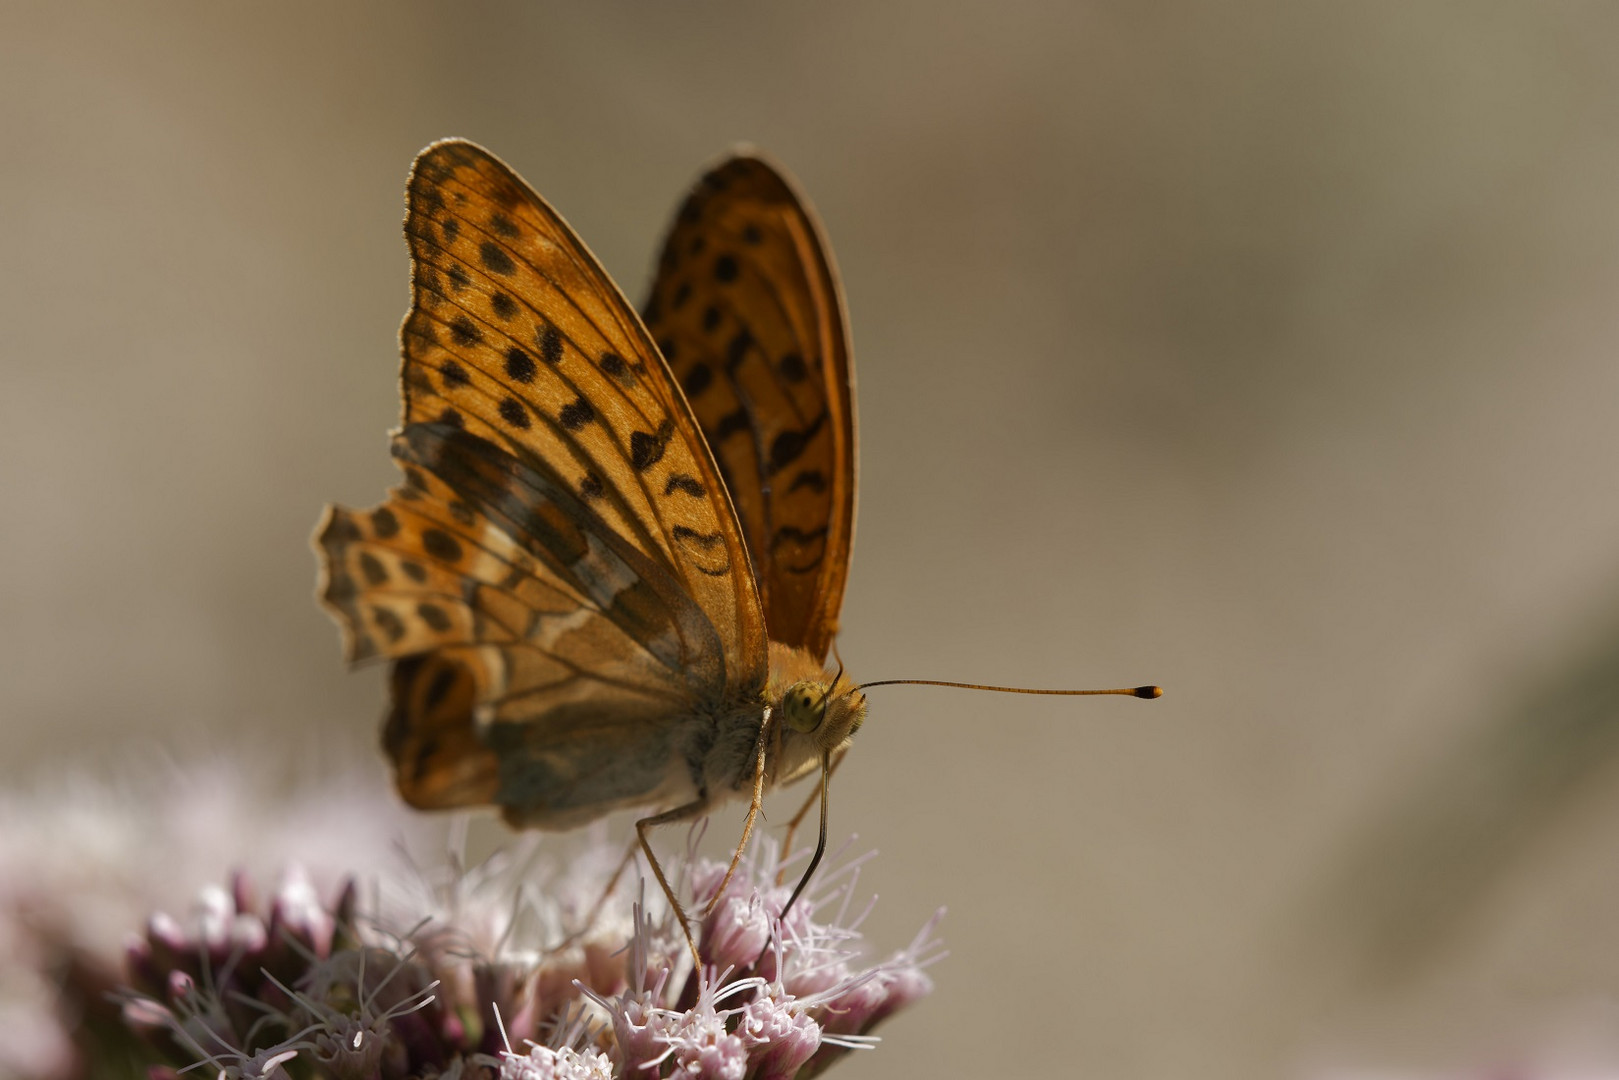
(702, 543)
(384, 523)
(797, 540)
(549, 339)
(690, 485)
(698, 379)
(737, 350)
(576, 414)
(613, 364)
(792, 368)
(433, 616)
(439, 688)
(413, 570)
(495, 259)
(512, 411)
(692, 538)
(646, 450)
(372, 569)
(453, 374)
(789, 445)
(441, 545)
(790, 534)
(464, 332)
(504, 226)
(519, 365)
(503, 305)
(812, 479)
(389, 623)
(732, 423)
(725, 269)
(459, 278)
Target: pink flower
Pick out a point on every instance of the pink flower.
(432, 968)
(774, 1011)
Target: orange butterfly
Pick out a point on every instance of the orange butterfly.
(612, 573)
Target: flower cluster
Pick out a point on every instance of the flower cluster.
(789, 996)
(86, 854)
(511, 969)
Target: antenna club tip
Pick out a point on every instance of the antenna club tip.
(1149, 691)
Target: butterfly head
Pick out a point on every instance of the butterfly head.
(816, 717)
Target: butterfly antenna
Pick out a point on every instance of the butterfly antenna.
(832, 686)
(1128, 691)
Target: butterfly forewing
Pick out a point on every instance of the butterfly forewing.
(518, 337)
(747, 311)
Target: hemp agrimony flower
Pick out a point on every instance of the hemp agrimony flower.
(515, 967)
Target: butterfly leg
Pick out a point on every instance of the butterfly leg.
(753, 813)
(792, 826)
(692, 809)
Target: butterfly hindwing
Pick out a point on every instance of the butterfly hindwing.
(747, 310)
(551, 764)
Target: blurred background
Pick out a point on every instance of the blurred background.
(1263, 351)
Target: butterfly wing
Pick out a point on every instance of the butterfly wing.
(560, 579)
(747, 310)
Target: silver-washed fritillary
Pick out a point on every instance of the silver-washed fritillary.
(613, 571)
(576, 609)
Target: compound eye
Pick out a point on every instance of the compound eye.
(803, 709)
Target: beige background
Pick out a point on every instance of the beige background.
(1263, 351)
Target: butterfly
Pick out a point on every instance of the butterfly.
(613, 570)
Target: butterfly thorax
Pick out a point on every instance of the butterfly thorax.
(814, 712)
